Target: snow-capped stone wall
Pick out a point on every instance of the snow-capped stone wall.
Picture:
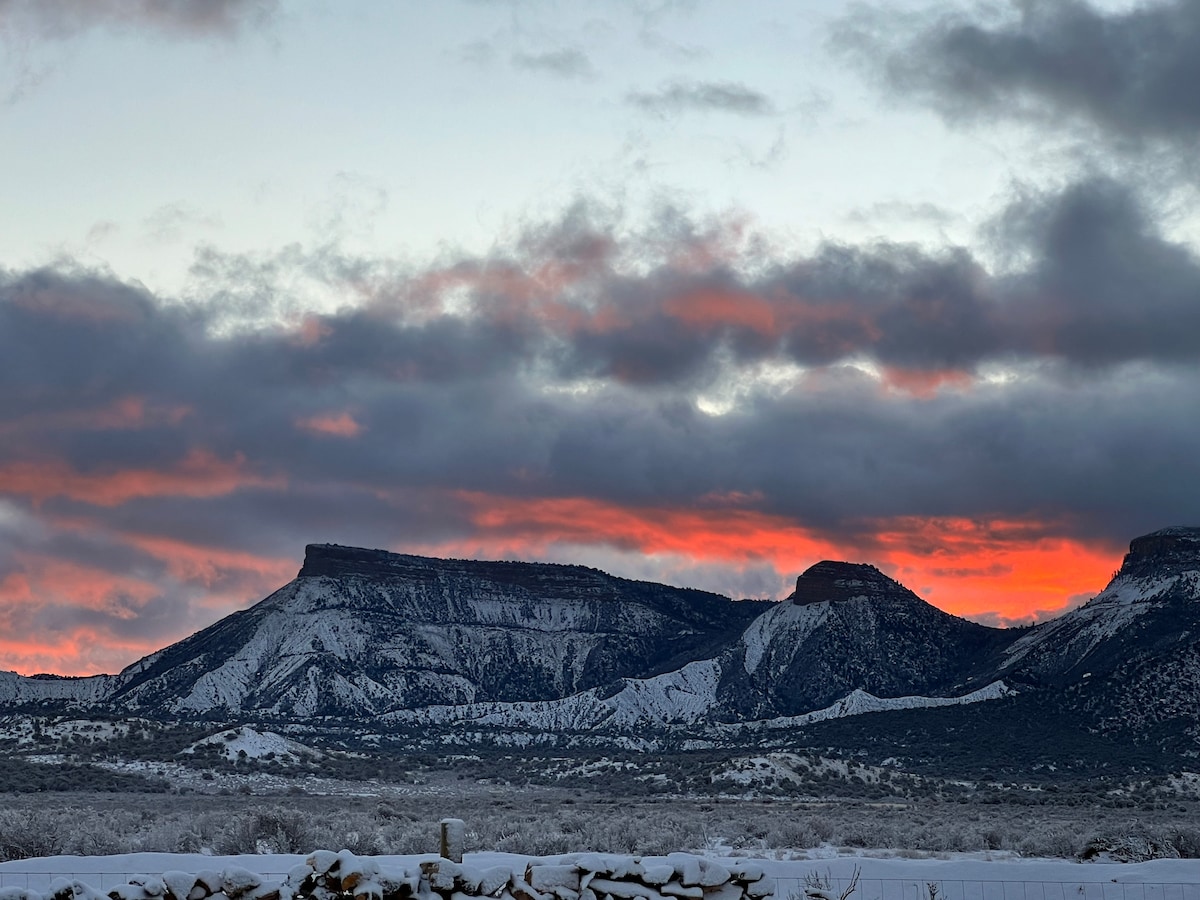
(326, 875)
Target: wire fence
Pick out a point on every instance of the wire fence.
(785, 888)
(101, 881)
(960, 889)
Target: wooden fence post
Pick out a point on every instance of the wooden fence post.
(453, 834)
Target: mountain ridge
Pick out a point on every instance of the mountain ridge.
(408, 641)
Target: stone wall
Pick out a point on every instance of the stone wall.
(326, 875)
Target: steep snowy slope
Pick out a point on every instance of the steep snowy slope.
(847, 634)
(19, 689)
(849, 627)
(1160, 574)
(407, 641)
(361, 632)
(687, 697)
(683, 697)
(1131, 655)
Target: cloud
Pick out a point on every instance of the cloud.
(169, 222)
(57, 19)
(678, 392)
(565, 63)
(1131, 72)
(333, 424)
(679, 97)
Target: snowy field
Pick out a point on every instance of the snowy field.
(978, 876)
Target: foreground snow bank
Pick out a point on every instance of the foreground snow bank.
(966, 876)
(343, 876)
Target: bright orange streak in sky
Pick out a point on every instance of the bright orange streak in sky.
(43, 579)
(82, 651)
(205, 565)
(231, 580)
(44, 583)
(994, 570)
(199, 474)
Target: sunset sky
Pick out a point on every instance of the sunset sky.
(697, 292)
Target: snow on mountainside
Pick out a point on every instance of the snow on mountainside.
(1107, 615)
(682, 697)
(784, 626)
(364, 632)
(413, 642)
(1130, 658)
(846, 628)
(859, 702)
(1160, 574)
(687, 697)
(17, 689)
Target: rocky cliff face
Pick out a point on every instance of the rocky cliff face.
(1170, 551)
(849, 627)
(415, 642)
(362, 632)
(1155, 590)
(1131, 655)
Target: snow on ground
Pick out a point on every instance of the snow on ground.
(250, 743)
(31, 730)
(1184, 784)
(776, 769)
(966, 876)
(858, 702)
(683, 697)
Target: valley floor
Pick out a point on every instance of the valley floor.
(541, 820)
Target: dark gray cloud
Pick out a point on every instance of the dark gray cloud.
(703, 96)
(568, 62)
(1133, 72)
(567, 369)
(53, 19)
(106, 377)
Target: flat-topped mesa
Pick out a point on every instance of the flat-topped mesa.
(833, 580)
(1163, 552)
(332, 560)
(337, 561)
(529, 580)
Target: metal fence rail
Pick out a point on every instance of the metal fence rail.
(786, 888)
(102, 881)
(958, 889)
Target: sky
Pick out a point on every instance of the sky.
(694, 292)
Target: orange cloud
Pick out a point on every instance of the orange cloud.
(703, 310)
(39, 579)
(311, 330)
(206, 565)
(41, 582)
(74, 644)
(1012, 570)
(333, 424)
(199, 474)
(125, 413)
(925, 384)
(79, 651)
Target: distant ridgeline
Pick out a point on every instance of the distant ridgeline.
(521, 654)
